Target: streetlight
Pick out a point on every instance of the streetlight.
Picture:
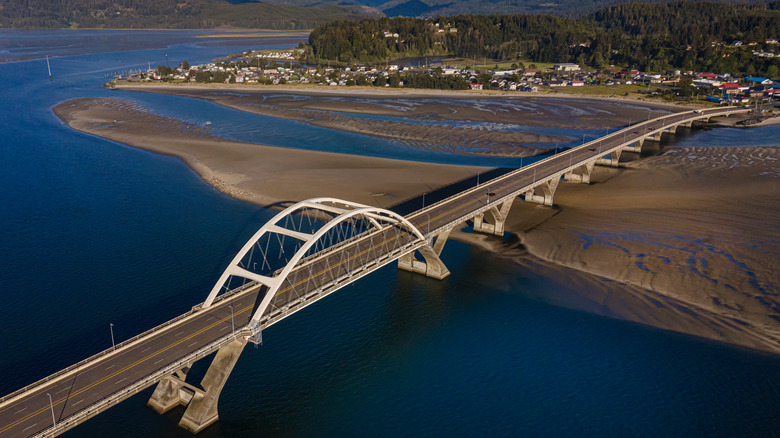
(232, 322)
(423, 200)
(111, 327)
(429, 223)
(51, 404)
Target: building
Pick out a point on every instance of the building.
(566, 66)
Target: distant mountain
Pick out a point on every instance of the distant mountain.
(172, 14)
(411, 8)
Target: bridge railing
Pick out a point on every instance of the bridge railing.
(136, 386)
(542, 178)
(107, 352)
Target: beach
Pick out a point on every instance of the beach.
(684, 241)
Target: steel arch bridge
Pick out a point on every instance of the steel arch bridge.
(325, 243)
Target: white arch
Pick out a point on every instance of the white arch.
(374, 214)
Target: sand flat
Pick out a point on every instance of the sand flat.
(685, 241)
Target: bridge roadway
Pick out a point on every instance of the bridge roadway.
(85, 389)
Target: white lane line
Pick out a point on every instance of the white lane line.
(112, 366)
(63, 390)
(145, 349)
(223, 328)
(20, 410)
(74, 404)
(157, 362)
(123, 378)
(192, 344)
(177, 334)
(29, 427)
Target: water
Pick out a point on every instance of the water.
(93, 232)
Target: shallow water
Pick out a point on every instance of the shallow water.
(93, 232)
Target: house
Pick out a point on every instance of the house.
(577, 83)
(707, 75)
(762, 81)
(558, 83)
(530, 72)
(532, 89)
(732, 88)
(475, 86)
(566, 66)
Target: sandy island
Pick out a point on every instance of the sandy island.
(335, 109)
(685, 241)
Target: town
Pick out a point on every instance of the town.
(280, 67)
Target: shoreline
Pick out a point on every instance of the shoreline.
(567, 241)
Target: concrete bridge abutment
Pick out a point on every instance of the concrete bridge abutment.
(432, 266)
(201, 402)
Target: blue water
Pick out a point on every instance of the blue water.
(93, 232)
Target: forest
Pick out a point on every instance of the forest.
(164, 14)
(646, 36)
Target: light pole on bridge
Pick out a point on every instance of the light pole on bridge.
(51, 404)
(232, 321)
(111, 327)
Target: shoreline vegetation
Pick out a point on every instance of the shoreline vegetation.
(681, 241)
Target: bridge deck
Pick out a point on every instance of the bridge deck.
(87, 389)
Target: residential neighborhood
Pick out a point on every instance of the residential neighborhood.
(284, 67)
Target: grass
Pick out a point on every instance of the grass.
(490, 64)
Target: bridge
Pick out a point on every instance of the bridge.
(306, 252)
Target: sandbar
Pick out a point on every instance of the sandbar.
(686, 240)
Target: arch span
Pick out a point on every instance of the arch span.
(344, 211)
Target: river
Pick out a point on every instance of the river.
(94, 233)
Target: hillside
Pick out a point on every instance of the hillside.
(649, 36)
(170, 14)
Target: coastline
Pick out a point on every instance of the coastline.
(584, 239)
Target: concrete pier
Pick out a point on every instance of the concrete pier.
(499, 215)
(583, 174)
(547, 191)
(202, 409)
(432, 266)
(613, 160)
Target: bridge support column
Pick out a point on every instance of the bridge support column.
(613, 160)
(432, 266)
(202, 410)
(637, 146)
(548, 190)
(499, 217)
(584, 173)
(171, 392)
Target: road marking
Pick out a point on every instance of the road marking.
(112, 366)
(194, 343)
(74, 404)
(120, 380)
(63, 389)
(177, 334)
(33, 425)
(223, 328)
(146, 348)
(158, 362)
(20, 410)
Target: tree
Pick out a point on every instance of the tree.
(185, 65)
(772, 72)
(687, 89)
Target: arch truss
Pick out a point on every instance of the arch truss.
(313, 245)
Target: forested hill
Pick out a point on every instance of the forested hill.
(648, 36)
(168, 14)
